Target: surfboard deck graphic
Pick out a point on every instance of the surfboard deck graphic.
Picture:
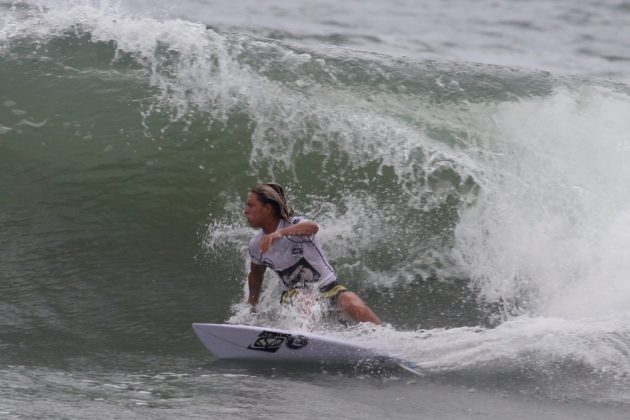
(245, 342)
(248, 343)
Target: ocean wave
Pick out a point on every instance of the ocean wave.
(450, 194)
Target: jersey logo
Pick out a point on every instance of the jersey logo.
(297, 250)
(299, 274)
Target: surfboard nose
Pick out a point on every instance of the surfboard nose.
(199, 327)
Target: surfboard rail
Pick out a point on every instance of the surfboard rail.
(252, 343)
(229, 341)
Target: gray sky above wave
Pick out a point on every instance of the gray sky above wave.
(558, 36)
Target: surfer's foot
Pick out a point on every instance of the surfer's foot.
(352, 305)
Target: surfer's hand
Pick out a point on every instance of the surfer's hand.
(250, 301)
(268, 240)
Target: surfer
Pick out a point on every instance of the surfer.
(287, 244)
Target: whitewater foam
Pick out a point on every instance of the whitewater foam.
(549, 221)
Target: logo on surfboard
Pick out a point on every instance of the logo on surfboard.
(271, 341)
(296, 342)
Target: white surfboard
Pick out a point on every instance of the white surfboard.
(242, 342)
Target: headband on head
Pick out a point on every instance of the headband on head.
(274, 194)
(277, 188)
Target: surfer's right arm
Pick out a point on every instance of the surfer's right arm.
(254, 281)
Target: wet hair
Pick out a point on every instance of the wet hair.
(273, 194)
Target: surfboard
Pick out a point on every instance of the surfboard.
(244, 342)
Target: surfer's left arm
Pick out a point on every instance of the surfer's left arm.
(254, 281)
(303, 228)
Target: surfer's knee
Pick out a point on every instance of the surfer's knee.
(349, 300)
(352, 304)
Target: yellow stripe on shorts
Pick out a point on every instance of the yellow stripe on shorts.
(291, 293)
(333, 292)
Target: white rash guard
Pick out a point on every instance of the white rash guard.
(299, 261)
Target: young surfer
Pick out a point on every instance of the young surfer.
(288, 245)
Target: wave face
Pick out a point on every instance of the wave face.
(481, 210)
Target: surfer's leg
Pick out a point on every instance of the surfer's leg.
(353, 306)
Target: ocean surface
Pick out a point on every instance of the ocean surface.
(467, 163)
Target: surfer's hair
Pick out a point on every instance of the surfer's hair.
(273, 194)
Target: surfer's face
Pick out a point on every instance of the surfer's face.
(256, 211)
